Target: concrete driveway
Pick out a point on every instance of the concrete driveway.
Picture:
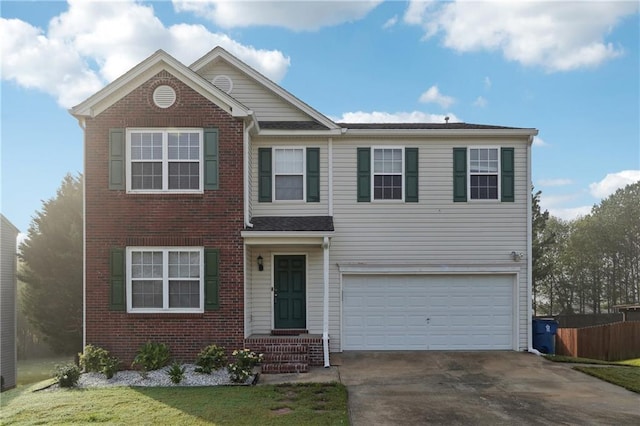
(477, 388)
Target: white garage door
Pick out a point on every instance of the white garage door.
(434, 312)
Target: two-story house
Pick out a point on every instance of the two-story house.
(220, 208)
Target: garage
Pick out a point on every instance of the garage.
(428, 312)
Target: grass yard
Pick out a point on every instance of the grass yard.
(628, 378)
(35, 370)
(619, 373)
(308, 404)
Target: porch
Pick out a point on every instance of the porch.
(286, 291)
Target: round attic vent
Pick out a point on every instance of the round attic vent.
(164, 96)
(223, 83)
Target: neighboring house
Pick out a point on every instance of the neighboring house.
(8, 303)
(221, 209)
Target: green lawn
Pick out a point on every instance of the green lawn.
(622, 373)
(628, 378)
(35, 370)
(309, 404)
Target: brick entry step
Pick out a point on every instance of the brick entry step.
(287, 353)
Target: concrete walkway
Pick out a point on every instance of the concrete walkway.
(470, 388)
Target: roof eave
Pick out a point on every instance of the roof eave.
(441, 132)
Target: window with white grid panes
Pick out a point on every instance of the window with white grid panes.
(388, 167)
(165, 160)
(484, 171)
(288, 166)
(165, 279)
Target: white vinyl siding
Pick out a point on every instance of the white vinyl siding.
(435, 231)
(8, 301)
(265, 104)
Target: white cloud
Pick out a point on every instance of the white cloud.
(433, 95)
(390, 22)
(92, 43)
(397, 117)
(480, 102)
(558, 36)
(554, 182)
(294, 15)
(570, 213)
(539, 142)
(487, 83)
(612, 182)
(557, 205)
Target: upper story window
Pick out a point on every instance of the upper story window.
(165, 279)
(484, 170)
(288, 167)
(484, 173)
(387, 173)
(162, 160)
(289, 174)
(388, 167)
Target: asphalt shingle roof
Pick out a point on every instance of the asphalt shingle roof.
(292, 223)
(292, 125)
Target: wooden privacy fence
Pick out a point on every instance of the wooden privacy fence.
(610, 342)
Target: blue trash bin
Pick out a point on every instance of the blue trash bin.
(544, 335)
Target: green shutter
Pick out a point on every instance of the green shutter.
(508, 175)
(313, 175)
(459, 174)
(411, 175)
(117, 277)
(364, 174)
(264, 175)
(211, 161)
(211, 279)
(116, 159)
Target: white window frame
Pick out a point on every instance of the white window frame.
(498, 174)
(165, 160)
(373, 175)
(165, 280)
(274, 173)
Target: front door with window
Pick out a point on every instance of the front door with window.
(290, 292)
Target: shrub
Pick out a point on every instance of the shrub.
(176, 372)
(210, 358)
(243, 367)
(152, 356)
(67, 375)
(92, 358)
(97, 359)
(110, 366)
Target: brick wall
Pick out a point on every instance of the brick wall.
(117, 219)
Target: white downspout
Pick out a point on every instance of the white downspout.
(83, 125)
(529, 252)
(330, 175)
(247, 221)
(325, 313)
(245, 143)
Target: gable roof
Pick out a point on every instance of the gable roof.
(219, 53)
(146, 69)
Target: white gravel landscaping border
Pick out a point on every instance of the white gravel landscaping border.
(157, 378)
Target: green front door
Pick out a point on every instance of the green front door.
(289, 292)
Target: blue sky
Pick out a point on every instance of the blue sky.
(569, 69)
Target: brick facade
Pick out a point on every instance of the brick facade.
(115, 219)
